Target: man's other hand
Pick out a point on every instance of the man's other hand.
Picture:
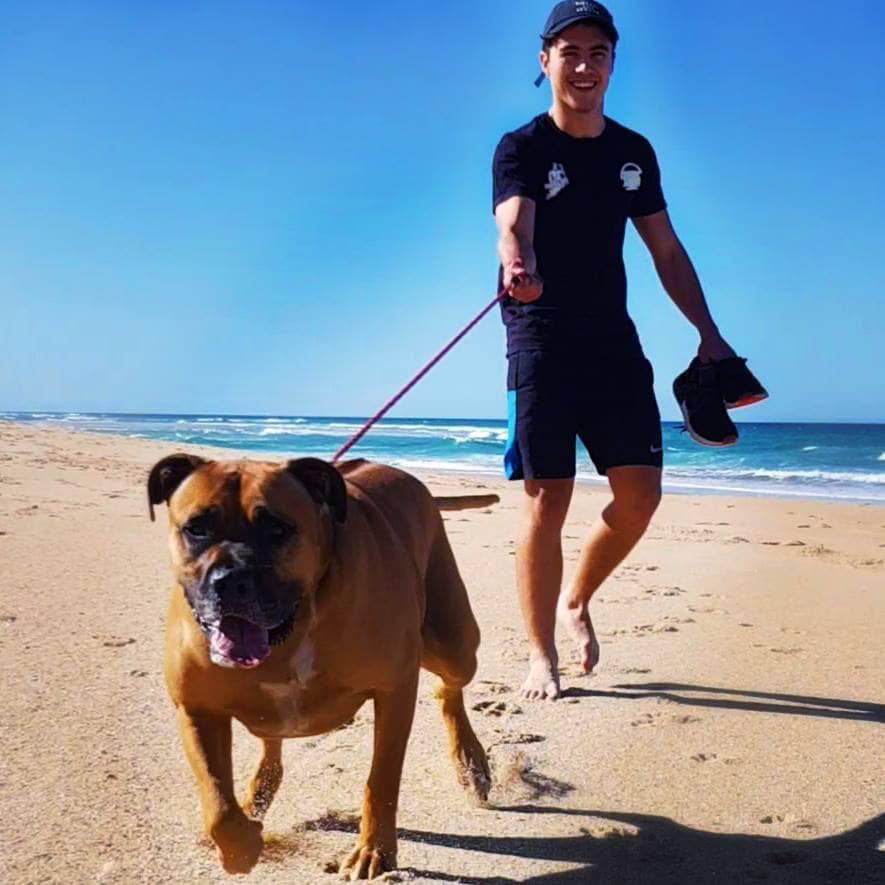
(714, 348)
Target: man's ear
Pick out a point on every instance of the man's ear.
(167, 475)
(323, 482)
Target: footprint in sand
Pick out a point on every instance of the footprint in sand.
(646, 719)
(8, 619)
(795, 544)
(771, 543)
(496, 708)
(704, 757)
(786, 651)
(673, 591)
(493, 687)
(685, 720)
(635, 670)
(116, 643)
(745, 624)
(668, 625)
(520, 739)
(771, 818)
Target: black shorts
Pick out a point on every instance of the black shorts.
(553, 401)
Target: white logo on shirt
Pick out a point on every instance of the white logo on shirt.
(631, 176)
(556, 180)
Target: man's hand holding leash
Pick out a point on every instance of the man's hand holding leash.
(521, 284)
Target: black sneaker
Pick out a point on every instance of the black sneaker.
(697, 392)
(739, 386)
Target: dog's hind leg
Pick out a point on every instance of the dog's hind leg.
(451, 638)
(265, 781)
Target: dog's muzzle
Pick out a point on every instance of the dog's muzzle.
(240, 621)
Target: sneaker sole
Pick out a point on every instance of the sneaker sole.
(750, 400)
(698, 438)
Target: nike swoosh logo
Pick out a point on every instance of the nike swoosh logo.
(655, 449)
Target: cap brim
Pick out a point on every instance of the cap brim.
(610, 30)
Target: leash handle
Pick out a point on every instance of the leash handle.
(397, 397)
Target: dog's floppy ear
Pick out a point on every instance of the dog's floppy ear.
(167, 475)
(323, 482)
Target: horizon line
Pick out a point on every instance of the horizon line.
(32, 412)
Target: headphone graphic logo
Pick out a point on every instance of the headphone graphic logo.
(631, 176)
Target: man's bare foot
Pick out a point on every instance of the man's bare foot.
(542, 683)
(576, 620)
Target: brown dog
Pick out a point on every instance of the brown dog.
(303, 591)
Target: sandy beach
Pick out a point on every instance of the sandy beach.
(733, 731)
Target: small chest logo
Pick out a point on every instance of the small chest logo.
(556, 180)
(631, 176)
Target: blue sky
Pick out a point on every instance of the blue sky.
(284, 207)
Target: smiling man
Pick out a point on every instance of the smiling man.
(565, 185)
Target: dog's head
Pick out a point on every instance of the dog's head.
(248, 541)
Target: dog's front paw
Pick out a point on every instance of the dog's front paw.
(369, 859)
(239, 842)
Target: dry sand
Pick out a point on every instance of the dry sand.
(733, 731)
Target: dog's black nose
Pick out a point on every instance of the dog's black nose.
(232, 585)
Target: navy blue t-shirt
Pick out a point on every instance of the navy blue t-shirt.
(584, 190)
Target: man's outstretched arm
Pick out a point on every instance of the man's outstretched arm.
(515, 218)
(680, 281)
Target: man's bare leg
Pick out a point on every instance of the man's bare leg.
(539, 578)
(636, 493)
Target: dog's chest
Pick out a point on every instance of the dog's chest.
(302, 704)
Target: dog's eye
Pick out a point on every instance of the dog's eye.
(197, 529)
(271, 528)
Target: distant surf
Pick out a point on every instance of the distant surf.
(835, 461)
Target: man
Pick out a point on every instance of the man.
(564, 186)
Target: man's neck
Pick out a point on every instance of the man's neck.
(578, 125)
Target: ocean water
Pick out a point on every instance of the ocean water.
(835, 461)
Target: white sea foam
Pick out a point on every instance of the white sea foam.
(809, 448)
(820, 476)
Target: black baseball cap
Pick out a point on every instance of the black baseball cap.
(570, 12)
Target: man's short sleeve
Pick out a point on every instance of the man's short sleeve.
(511, 174)
(650, 196)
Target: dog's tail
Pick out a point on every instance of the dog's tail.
(464, 502)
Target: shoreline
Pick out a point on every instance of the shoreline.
(583, 479)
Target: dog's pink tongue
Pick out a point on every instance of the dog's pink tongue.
(238, 643)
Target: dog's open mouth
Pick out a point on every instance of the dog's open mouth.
(236, 642)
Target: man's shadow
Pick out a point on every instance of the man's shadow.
(738, 699)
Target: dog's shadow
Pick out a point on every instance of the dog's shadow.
(623, 847)
(629, 848)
